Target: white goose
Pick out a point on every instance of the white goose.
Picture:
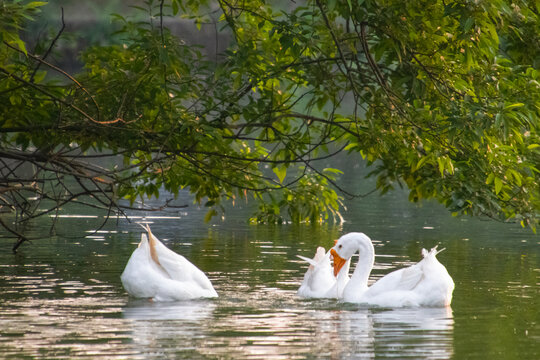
(319, 281)
(425, 284)
(155, 272)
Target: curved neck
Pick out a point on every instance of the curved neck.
(343, 275)
(365, 263)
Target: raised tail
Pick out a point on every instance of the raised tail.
(308, 260)
(432, 252)
(319, 255)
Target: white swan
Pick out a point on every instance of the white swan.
(319, 280)
(426, 283)
(153, 271)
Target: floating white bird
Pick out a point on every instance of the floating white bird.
(155, 272)
(319, 280)
(425, 284)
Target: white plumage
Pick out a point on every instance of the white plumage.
(426, 283)
(319, 281)
(158, 273)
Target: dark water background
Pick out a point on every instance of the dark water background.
(61, 296)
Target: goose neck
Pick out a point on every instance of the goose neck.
(365, 263)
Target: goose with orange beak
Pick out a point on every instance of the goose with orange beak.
(424, 284)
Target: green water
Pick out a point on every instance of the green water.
(62, 296)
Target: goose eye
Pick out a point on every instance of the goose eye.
(339, 247)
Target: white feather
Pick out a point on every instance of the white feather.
(156, 272)
(319, 280)
(426, 283)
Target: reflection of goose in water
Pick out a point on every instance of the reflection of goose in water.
(428, 319)
(190, 311)
(153, 271)
(415, 333)
(167, 330)
(426, 283)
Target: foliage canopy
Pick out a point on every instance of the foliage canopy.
(442, 97)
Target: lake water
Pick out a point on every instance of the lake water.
(61, 296)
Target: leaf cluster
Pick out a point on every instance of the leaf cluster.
(440, 97)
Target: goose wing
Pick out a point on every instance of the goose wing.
(175, 266)
(400, 280)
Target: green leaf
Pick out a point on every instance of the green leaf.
(498, 185)
(421, 162)
(35, 4)
(333, 171)
(440, 161)
(209, 215)
(281, 172)
(21, 45)
(513, 106)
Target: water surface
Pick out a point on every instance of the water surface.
(62, 296)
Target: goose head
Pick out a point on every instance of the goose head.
(346, 246)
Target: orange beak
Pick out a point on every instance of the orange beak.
(338, 261)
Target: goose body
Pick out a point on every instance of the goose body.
(319, 280)
(158, 273)
(424, 284)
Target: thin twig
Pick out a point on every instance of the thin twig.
(21, 237)
(53, 42)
